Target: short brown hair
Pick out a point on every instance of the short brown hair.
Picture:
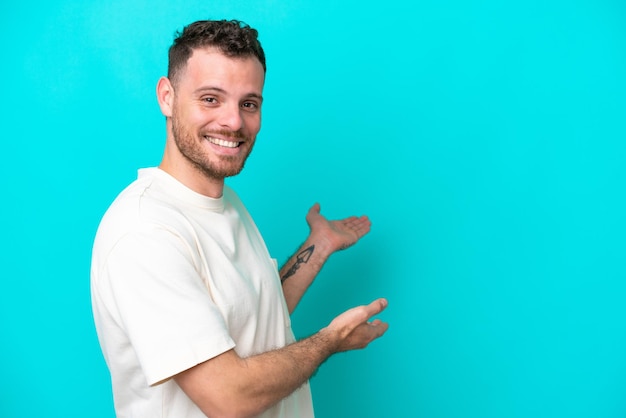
(232, 37)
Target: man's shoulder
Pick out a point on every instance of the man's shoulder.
(137, 208)
(128, 204)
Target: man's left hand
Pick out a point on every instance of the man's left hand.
(338, 234)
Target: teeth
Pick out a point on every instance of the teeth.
(222, 143)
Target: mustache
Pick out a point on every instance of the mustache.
(228, 134)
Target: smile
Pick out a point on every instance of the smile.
(222, 142)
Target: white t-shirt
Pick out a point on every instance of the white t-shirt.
(178, 278)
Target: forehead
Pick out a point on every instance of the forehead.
(210, 67)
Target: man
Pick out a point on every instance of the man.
(191, 312)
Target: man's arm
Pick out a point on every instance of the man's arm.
(231, 386)
(325, 238)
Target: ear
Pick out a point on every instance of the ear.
(165, 96)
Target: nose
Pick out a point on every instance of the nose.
(230, 117)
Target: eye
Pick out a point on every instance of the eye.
(209, 100)
(250, 106)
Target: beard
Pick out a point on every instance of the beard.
(211, 165)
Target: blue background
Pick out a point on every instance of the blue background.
(485, 139)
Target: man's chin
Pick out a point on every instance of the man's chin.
(221, 173)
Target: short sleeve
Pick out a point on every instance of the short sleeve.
(152, 284)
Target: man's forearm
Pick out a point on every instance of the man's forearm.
(228, 385)
(284, 370)
(248, 386)
(301, 269)
(325, 238)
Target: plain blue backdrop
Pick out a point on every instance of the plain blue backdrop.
(485, 140)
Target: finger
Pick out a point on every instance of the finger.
(381, 328)
(349, 220)
(360, 227)
(315, 208)
(361, 220)
(376, 307)
(313, 214)
(378, 327)
(357, 224)
(372, 331)
(356, 219)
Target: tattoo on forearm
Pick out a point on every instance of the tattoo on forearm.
(302, 258)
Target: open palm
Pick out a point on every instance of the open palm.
(338, 234)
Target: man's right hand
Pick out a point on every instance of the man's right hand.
(229, 385)
(353, 329)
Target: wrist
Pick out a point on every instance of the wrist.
(323, 248)
(329, 339)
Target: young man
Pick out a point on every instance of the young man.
(191, 311)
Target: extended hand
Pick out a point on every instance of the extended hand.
(339, 234)
(353, 329)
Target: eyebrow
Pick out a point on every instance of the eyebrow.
(210, 89)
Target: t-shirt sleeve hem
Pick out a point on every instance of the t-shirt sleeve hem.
(182, 359)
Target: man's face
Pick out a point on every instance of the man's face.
(216, 112)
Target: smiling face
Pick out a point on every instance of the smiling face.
(213, 111)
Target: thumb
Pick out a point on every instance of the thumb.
(315, 208)
(376, 307)
(313, 212)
